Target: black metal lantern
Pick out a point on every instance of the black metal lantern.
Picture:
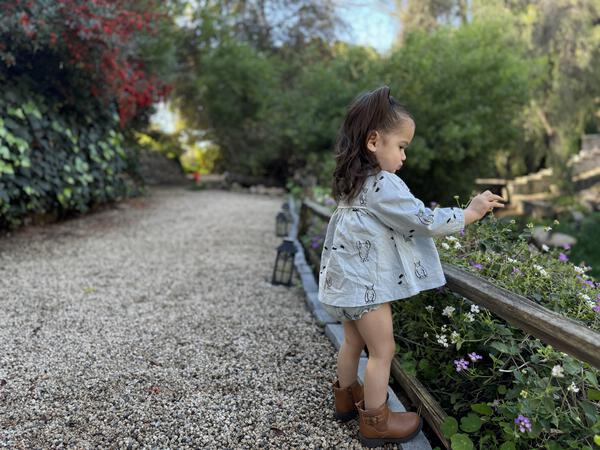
(282, 224)
(284, 263)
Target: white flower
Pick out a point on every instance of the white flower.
(523, 393)
(541, 270)
(457, 245)
(454, 336)
(445, 246)
(587, 299)
(426, 334)
(441, 339)
(429, 308)
(474, 308)
(578, 269)
(557, 371)
(444, 327)
(547, 229)
(495, 403)
(451, 239)
(510, 260)
(470, 317)
(545, 247)
(572, 387)
(448, 310)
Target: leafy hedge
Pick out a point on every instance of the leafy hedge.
(52, 160)
(502, 388)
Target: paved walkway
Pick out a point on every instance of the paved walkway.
(154, 325)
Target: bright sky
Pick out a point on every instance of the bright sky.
(371, 21)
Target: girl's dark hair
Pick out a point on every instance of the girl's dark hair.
(375, 110)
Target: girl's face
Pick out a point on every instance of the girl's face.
(389, 147)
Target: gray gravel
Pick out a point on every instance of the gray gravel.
(153, 324)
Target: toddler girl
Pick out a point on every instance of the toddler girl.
(378, 249)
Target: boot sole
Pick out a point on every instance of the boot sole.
(380, 442)
(345, 417)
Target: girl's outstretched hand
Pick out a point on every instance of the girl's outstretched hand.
(481, 204)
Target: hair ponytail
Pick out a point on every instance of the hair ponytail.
(375, 110)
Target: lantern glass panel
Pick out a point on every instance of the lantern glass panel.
(282, 224)
(284, 263)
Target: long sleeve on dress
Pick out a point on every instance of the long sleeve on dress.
(393, 203)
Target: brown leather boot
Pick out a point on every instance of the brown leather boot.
(346, 399)
(380, 425)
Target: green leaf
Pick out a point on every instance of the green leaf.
(591, 378)
(501, 389)
(508, 445)
(482, 408)
(6, 168)
(4, 152)
(17, 112)
(461, 442)
(594, 394)
(449, 427)
(502, 347)
(597, 439)
(471, 423)
(590, 411)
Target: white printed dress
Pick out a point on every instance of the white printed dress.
(380, 248)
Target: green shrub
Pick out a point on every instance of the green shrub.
(56, 161)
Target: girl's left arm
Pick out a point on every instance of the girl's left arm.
(393, 203)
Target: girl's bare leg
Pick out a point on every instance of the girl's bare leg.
(376, 329)
(349, 354)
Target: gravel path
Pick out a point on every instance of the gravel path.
(153, 324)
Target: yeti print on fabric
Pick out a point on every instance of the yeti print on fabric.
(328, 282)
(420, 271)
(363, 250)
(408, 238)
(362, 198)
(425, 219)
(370, 294)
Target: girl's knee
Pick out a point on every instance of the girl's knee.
(353, 341)
(383, 350)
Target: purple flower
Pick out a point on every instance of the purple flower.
(523, 423)
(596, 308)
(590, 283)
(476, 265)
(462, 232)
(566, 246)
(461, 364)
(562, 257)
(474, 356)
(516, 270)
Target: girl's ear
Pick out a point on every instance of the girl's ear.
(372, 140)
